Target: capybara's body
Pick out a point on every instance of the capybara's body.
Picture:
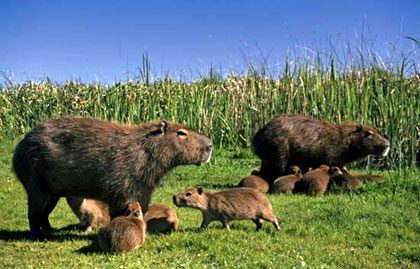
(100, 160)
(285, 184)
(307, 142)
(346, 181)
(124, 233)
(255, 182)
(227, 205)
(161, 219)
(92, 214)
(315, 182)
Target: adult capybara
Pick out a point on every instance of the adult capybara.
(161, 219)
(315, 182)
(287, 183)
(92, 214)
(227, 205)
(255, 182)
(307, 142)
(100, 160)
(124, 233)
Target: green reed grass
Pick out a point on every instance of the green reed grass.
(230, 110)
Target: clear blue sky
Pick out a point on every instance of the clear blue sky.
(103, 39)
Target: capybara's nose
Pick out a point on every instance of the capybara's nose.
(209, 148)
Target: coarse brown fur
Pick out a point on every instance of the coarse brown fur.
(227, 205)
(287, 183)
(161, 219)
(315, 182)
(92, 214)
(124, 233)
(255, 182)
(346, 181)
(307, 142)
(100, 160)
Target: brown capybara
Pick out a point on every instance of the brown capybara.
(255, 182)
(372, 178)
(227, 205)
(307, 142)
(124, 233)
(315, 182)
(345, 181)
(161, 219)
(100, 160)
(92, 214)
(287, 183)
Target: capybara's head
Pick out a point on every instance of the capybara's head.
(334, 171)
(295, 170)
(134, 209)
(175, 144)
(192, 197)
(367, 140)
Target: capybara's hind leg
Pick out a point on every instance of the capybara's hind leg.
(50, 205)
(269, 216)
(259, 223)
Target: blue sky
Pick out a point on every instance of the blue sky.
(102, 40)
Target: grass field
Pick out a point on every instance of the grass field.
(378, 227)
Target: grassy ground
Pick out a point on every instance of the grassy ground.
(378, 227)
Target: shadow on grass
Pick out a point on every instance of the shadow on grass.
(57, 235)
(216, 185)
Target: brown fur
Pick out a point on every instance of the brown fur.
(372, 178)
(346, 181)
(100, 160)
(287, 183)
(254, 182)
(124, 233)
(161, 219)
(315, 182)
(307, 142)
(227, 205)
(92, 214)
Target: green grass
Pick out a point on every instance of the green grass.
(378, 227)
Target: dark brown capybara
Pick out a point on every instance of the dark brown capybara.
(227, 205)
(255, 182)
(161, 219)
(315, 182)
(92, 214)
(285, 184)
(307, 142)
(124, 233)
(100, 160)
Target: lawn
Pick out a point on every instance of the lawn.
(377, 227)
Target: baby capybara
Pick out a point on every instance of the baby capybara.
(315, 182)
(307, 142)
(345, 181)
(92, 214)
(287, 183)
(100, 160)
(227, 205)
(161, 219)
(255, 182)
(124, 233)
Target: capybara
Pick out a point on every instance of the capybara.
(315, 182)
(100, 160)
(92, 214)
(287, 183)
(255, 182)
(345, 181)
(227, 205)
(124, 233)
(161, 219)
(307, 142)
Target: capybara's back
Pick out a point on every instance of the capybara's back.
(161, 219)
(255, 182)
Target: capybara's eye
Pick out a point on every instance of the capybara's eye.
(188, 194)
(182, 132)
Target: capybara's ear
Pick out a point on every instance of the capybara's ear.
(182, 133)
(127, 212)
(359, 127)
(163, 126)
(200, 190)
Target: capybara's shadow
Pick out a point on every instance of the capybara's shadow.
(216, 185)
(93, 248)
(57, 235)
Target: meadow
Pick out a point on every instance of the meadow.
(376, 227)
